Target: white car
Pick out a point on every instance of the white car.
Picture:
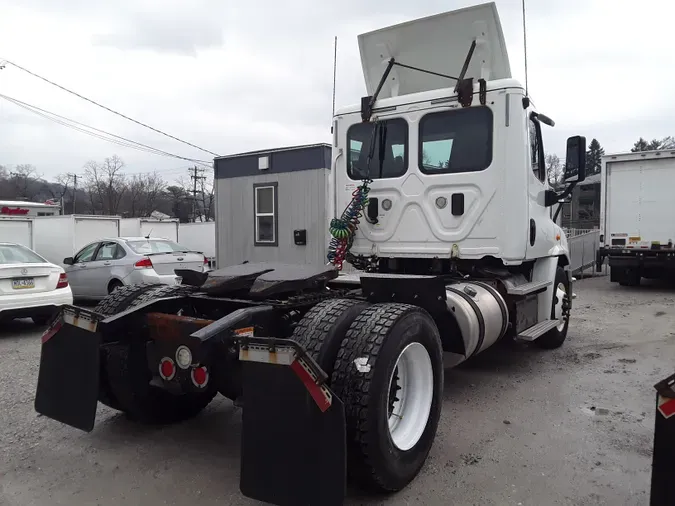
(30, 286)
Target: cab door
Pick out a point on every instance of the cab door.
(539, 227)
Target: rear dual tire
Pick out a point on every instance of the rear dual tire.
(369, 351)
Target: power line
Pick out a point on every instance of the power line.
(115, 139)
(107, 108)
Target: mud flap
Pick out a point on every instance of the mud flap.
(663, 459)
(68, 381)
(293, 438)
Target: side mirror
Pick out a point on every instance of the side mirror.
(575, 161)
(68, 261)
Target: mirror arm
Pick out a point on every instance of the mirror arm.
(567, 191)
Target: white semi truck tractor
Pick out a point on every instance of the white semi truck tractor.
(441, 203)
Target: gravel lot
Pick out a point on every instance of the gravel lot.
(519, 426)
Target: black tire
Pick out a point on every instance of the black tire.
(115, 284)
(41, 320)
(379, 334)
(115, 303)
(554, 338)
(122, 298)
(323, 328)
(130, 384)
(162, 291)
(631, 278)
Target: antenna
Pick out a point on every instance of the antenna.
(525, 47)
(334, 75)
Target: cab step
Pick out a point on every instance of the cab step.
(537, 330)
(528, 288)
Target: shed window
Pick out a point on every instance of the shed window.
(265, 197)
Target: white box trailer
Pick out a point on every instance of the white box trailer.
(17, 230)
(199, 237)
(58, 237)
(142, 227)
(637, 216)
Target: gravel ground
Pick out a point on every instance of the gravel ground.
(520, 426)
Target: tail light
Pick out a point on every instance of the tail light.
(206, 260)
(144, 263)
(200, 376)
(63, 281)
(167, 369)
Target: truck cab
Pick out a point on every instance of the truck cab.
(452, 176)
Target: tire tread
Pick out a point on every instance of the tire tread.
(364, 338)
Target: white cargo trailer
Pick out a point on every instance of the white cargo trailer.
(637, 216)
(199, 237)
(17, 230)
(58, 237)
(143, 227)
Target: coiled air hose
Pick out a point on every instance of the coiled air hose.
(343, 229)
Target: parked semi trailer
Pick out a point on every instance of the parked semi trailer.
(445, 211)
(636, 216)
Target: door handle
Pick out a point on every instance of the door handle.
(107, 263)
(372, 210)
(81, 266)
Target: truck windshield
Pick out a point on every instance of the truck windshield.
(395, 161)
(456, 141)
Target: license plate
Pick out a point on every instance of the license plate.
(20, 284)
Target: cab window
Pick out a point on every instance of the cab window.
(456, 141)
(536, 150)
(391, 142)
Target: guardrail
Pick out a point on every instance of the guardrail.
(583, 245)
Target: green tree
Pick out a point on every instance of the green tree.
(667, 142)
(594, 157)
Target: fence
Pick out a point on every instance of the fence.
(583, 245)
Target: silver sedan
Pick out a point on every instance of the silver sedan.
(107, 264)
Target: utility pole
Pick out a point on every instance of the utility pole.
(194, 171)
(74, 191)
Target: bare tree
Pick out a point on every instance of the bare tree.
(106, 184)
(58, 191)
(26, 181)
(554, 170)
(207, 193)
(144, 193)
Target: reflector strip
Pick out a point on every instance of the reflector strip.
(80, 321)
(53, 329)
(666, 406)
(286, 356)
(320, 394)
(256, 353)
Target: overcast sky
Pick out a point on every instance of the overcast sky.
(236, 76)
